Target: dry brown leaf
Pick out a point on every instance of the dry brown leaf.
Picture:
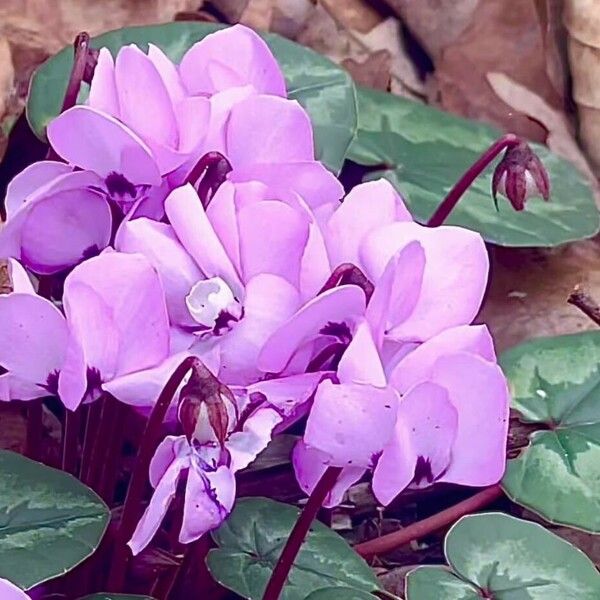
(582, 20)
(503, 40)
(7, 75)
(529, 289)
(373, 72)
(258, 14)
(435, 23)
(357, 15)
(560, 134)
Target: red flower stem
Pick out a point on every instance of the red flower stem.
(92, 422)
(417, 530)
(455, 194)
(132, 507)
(70, 450)
(81, 48)
(296, 539)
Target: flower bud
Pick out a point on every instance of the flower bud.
(519, 175)
(206, 407)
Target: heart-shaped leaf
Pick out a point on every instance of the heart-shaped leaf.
(325, 90)
(556, 382)
(340, 593)
(251, 540)
(49, 521)
(497, 556)
(425, 151)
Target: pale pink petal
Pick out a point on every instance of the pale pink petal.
(397, 291)
(351, 423)
(245, 445)
(479, 392)
(17, 388)
(456, 269)
(194, 230)
(168, 73)
(268, 129)
(425, 431)
(160, 245)
(193, 121)
(270, 301)
(9, 591)
(361, 362)
(231, 57)
(103, 89)
(96, 141)
(209, 497)
(222, 214)
(315, 268)
(34, 338)
(310, 465)
(172, 447)
(29, 181)
(367, 207)
(273, 237)
(417, 366)
(337, 305)
(153, 516)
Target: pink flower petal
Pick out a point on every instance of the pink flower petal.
(421, 448)
(168, 73)
(20, 281)
(351, 423)
(310, 465)
(337, 305)
(479, 392)
(103, 89)
(232, 57)
(9, 591)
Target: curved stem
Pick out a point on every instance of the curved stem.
(81, 47)
(137, 485)
(388, 542)
(585, 303)
(455, 194)
(296, 539)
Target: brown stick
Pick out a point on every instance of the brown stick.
(585, 303)
(388, 542)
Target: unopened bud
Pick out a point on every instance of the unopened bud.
(206, 407)
(520, 175)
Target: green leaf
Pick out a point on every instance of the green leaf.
(427, 150)
(49, 521)
(325, 90)
(250, 543)
(108, 596)
(340, 593)
(497, 556)
(556, 382)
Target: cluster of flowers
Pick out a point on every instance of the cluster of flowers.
(192, 219)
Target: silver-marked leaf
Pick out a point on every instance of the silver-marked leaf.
(556, 382)
(251, 540)
(340, 593)
(49, 521)
(493, 555)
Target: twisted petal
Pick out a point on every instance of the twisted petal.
(245, 445)
(479, 392)
(421, 446)
(178, 271)
(351, 423)
(418, 365)
(164, 493)
(209, 498)
(337, 305)
(361, 362)
(367, 207)
(103, 88)
(310, 465)
(456, 269)
(233, 57)
(33, 341)
(268, 129)
(93, 140)
(195, 232)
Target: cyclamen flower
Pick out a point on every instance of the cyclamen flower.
(223, 437)
(115, 323)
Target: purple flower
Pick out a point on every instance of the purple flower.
(56, 217)
(225, 435)
(114, 323)
(9, 591)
